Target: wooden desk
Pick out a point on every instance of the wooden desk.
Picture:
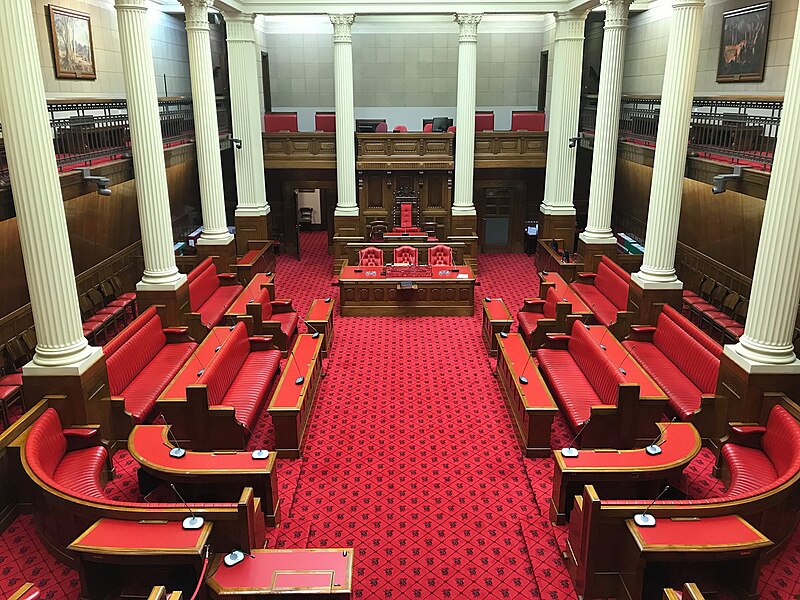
(204, 476)
(623, 474)
(313, 572)
(117, 558)
(250, 291)
(677, 546)
(405, 237)
(291, 404)
(564, 291)
(547, 259)
(532, 406)
(370, 294)
(496, 318)
(320, 317)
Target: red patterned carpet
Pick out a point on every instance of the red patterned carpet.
(411, 459)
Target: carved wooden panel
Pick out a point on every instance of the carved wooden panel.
(299, 150)
(412, 150)
(508, 149)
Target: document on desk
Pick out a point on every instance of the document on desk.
(462, 276)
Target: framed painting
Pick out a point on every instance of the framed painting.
(73, 51)
(743, 48)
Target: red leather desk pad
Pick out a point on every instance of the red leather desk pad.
(634, 373)
(567, 294)
(535, 394)
(273, 570)
(730, 532)
(288, 394)
(496, 309)
(680, 443)
(149, 444)
(112, 535)
(320, 310)
(374, 273)
(200, 359)
(239, 306)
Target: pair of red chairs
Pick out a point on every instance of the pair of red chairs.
(438, 256)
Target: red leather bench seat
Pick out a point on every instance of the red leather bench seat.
(81, 469)
(288, 320)
(608, 293)
(581, 376)
(681, 359)
(528, 320)
(240, 378)
(207, 296)
(141, 363)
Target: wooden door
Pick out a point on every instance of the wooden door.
(543, 58)
(496, 205)
(291, 228)
(265, 82)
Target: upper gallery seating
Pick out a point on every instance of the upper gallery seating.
(274, 317)
(527, 121)
(606, 293)
(381, 127)
(370, 257)
(211, 293)
(400, 129)
(325, 121)
(484, 121)
(539, 317)
(427, 128)
(682, 360)
(141, 361)
(406, 255)
(586, 383)
(277, 122)
(440, 256)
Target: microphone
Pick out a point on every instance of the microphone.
(260, 454)
(177, 451)
(316, 333)
(655, 448)
(506, 328)
(235, 557)
(643, 519)
(193, 522)
(327, 300)
(627, 356)
(301, 379)
(522, 379)
(569, 451)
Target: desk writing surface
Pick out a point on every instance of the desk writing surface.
(239, 306)
(111, 536)
(496, 309)
(566, 293)
(535, 394)
(374, 273)
(288, 394)
(320, 310)
(199, 360)
(730, 532)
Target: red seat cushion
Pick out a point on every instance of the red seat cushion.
(603, 308)
(248, 391)
(750, 469)
(574, 392)
(7, 392)
(80, 471)
(11, 379)
(528, 321)
(213, 309)
(288, 322)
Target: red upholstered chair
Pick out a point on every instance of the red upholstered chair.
(484, 121)
(427, 128)
(527, 121)
(275, 122)
(277, 318)
(538, 317)
(370, 257)
(451, 129)
(400, 128)
(406, 255)
(381, 127)
(325, 121)
(440, 256)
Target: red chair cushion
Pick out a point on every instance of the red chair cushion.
(574, 392)
(213, 310)
(80, 471)
(249, 389)
(11, 379)
(528, 321)
(132, 350)
(612, 286)
(750, 469)
(220, 374)
(370, 257)
(527, 121)
(405, 215)
(440, 256)
(604, 309)
(288, 322)
(406, 254)
(683, 350)
(203, 281)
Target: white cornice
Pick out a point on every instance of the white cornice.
(408, 7)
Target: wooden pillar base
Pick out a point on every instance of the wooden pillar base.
(646, 304)
(250, 228)
(463, 228)
(175, 303)
(592, 253)
(558, 227)
(224, 255)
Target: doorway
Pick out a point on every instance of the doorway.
(543, 58)
(265, 82)
(496, 205)
(319, 197)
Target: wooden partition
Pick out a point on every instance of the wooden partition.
(510, 149)
(300, 150)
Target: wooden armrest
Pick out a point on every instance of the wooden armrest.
(746, 434)
(263, 342)
(557, 341)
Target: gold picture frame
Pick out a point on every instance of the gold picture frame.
(73, 48)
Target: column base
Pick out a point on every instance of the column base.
(593, 251)
(82, 389)
(224, 254)
(646, 302)
(558, 227)
(174, 299)
(250, 227)
(463, 211)
(463, 229)
(348, 225)
(345, 211)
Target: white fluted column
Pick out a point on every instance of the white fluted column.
(766, 345)
(465, 113)
(564, 110)
(61, 347)
(661, 238)
(346, 204)
(604, 155)
(246, 116)
(152, 194)
(206, 130)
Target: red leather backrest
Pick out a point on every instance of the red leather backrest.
(693, 330)
(405, 215)
(219, 375)
(697, 363)
(274, 122)
(203, 281)
(370, 257)
(440, 256)
(619, 271)
(263, 299)
(612, 286)
(603, 375)
(122, 337)
(406, 254)
(381, 127)
(527, 121)
(451, 129)
(550, 301)
(484, 121)
(427, 128)
(400, 128)
(325, 122)
(134, 355)
(46, 445)
(781, 442)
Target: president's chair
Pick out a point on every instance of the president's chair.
(370, 257)
(406, 255)
(440, 256)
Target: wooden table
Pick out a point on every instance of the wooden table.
(366, 292)
(311, 572)
(679, 548)
(291, 404)
(565, 292)
(130, 557)
(204, 476)
(496, 318)
(250, 291)
(531, 405)
(320, 317)
(623, 474)
(547, 259)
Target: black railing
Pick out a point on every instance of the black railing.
(86, 132)
(732, 130)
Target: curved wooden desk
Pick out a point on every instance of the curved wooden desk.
(206, 476)
(627, 474)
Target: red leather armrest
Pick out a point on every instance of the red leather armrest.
(642, 333)
(587, 275)
(261, 342)
(529, 304)
(746, 434)
(80, 432)
(281, 302)
(176, 335)
(79, 437)
(557, 341)
(282, 306)
(227, 278)
(175, 330)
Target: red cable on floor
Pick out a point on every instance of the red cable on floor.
(201, 581)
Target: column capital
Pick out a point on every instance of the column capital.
(196, 13)
(688, 4)
(342, 24)
(467, 26)
(570, 24)
(240, 27)
(131, 4)
(616, 13)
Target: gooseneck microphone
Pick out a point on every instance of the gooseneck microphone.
(301, 378)
(506, 328)
(643, 519)
(522, 379)
(622, 362)
(193, 522)
(569, 451)
(315, 331)
(655, 446)
(177, 451)
(235, 557)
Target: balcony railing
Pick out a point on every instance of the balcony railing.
(734, 130)
(90, 132)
